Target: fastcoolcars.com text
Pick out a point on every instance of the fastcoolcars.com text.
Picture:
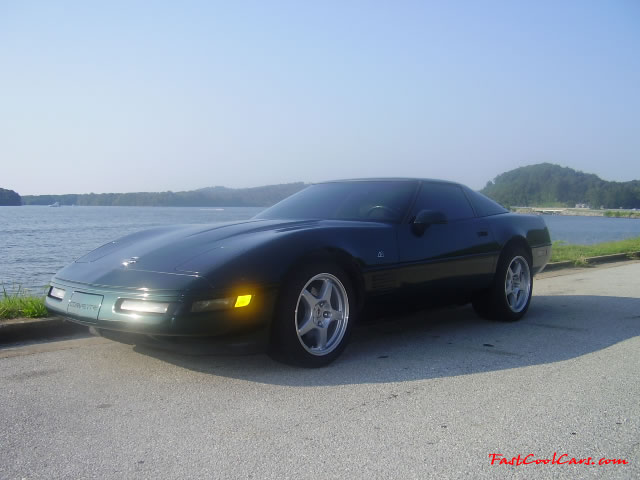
(556, 459)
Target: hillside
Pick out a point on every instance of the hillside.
(542, 185)
(9, 198)
(546, 184)
(205, 197)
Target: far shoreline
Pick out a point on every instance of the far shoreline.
(562, 211)
(579, 212)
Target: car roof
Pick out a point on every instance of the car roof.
(390, 179)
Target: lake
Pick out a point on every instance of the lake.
(35, 242)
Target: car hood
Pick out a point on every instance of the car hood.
(173, 249)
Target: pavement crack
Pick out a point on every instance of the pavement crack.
(21, 377)
(557, 327)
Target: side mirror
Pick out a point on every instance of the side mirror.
(426, 218)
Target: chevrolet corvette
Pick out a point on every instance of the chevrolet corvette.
(301, 273)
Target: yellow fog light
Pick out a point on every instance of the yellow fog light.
(242, 301)
(210, 305)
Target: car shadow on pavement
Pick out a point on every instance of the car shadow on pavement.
(444, 343)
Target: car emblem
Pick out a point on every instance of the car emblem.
(130, 261)
(380, 254)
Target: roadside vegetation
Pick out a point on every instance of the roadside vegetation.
(21, 304)
(579, 253)
(622, 214)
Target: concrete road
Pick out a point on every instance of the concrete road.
(432, 396)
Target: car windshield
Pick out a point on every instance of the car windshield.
(385, 201)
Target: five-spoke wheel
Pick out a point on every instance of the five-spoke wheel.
(314, 316)
(509, 297)
(322, 314)
(517, 284)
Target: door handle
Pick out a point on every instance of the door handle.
(483, 233)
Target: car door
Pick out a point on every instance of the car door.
(457, 255)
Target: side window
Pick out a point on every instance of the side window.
(446, 198)
(485, 206)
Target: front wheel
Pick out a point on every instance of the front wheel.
(314, 316)
(509, 298)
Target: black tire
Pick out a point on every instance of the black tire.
(305, 350)
(495, 303)
(481, 303)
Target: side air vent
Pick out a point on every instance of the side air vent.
(383, 281)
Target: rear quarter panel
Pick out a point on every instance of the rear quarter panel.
(531, 228)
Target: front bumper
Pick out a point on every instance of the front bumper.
(178, 319)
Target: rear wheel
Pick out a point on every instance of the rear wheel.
(509, 297)
(314, 316)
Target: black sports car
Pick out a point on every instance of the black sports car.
(300, 273)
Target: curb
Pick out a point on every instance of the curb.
(616, 257)
(19, 329)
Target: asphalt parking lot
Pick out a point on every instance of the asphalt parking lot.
(430, 396)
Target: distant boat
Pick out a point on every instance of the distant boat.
(56, 204)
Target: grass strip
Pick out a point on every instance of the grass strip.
(21, 304)
(578, 254)
(622, 214)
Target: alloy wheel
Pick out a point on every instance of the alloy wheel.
(517, 284)
(322, 314)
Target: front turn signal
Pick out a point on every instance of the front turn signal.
(242, 301)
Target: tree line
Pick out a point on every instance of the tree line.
(549, 185)
(9, 198)
(205, 197)
(543, 185)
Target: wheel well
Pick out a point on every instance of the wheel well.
(518, 242)
(340, 258)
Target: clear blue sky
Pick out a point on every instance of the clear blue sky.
(148, 96)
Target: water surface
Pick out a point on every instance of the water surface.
(36, 242)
